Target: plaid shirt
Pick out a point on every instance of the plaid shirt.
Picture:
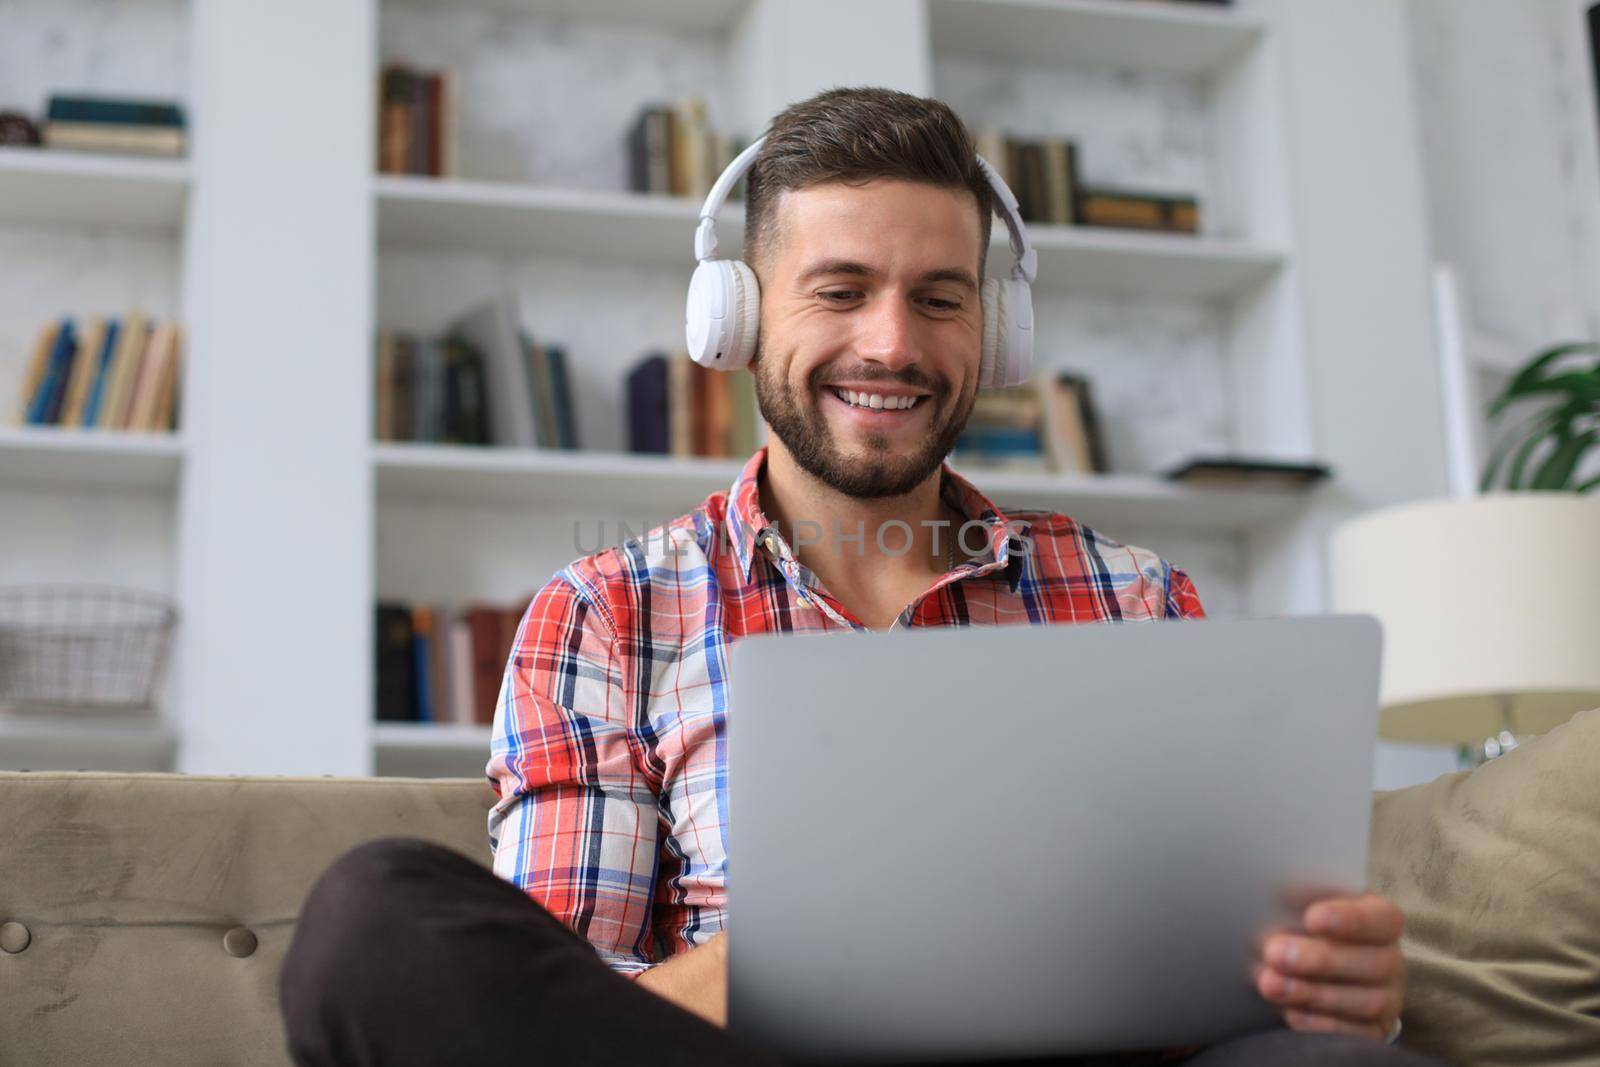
(608, 753)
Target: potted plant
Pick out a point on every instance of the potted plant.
(1559, 394)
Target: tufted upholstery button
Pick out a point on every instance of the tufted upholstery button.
(239, 942)
(14, 937)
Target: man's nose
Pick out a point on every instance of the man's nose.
(888, 333)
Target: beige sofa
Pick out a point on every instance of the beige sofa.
(143, 917)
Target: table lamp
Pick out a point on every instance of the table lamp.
(1490, 609)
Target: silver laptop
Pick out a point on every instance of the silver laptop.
(1027, 841)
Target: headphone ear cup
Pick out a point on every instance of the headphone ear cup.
(746, 316)
(1007, 333)
(994, 332)
(723, 314)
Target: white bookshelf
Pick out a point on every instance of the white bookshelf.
(1160, 35)
(47, 185)
(500, 477)
(263, 517)
(48, 456)
(500, 217)
(431, 213)
(83, 742)
(430, 750)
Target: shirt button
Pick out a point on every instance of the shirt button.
(14, 937)
(239, 942)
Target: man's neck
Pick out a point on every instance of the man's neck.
(865, 550)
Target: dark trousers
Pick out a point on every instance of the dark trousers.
(408, 953)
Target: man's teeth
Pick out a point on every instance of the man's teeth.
(875, 400)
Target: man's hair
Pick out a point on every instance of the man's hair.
(856, 135)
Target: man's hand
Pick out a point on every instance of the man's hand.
(1345, 974)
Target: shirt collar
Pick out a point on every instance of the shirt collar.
(748, 526)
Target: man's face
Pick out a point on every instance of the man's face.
(870, 290)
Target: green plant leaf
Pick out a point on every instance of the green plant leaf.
(1588, 486)
(1579, 385)
(1532, 371)
(1557, 470)
(1531, 429)
(1520, 460)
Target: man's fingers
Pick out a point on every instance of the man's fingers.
(1314, 1023)
(1367, 920)
(1368, 1005)
(1311, 957)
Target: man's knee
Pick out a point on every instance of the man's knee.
(354, 905)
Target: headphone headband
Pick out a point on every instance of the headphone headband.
(705, 235)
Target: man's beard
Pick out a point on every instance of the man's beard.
(804, 432)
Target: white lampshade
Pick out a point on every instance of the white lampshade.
(1490, 610)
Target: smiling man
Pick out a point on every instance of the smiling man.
(869, 220)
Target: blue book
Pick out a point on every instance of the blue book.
(561, 397)
(421, 678)
(46, 402)
(1000, 440)
(115, 111)
(91, 410)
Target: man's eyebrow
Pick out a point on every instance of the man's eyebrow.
(822, 268)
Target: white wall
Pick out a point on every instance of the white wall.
(1506, 103)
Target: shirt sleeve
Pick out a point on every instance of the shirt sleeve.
(576, 826)
(1183, 602)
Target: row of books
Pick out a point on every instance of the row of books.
(1050, 423)
(677, 407)
(1043, 174)
(103, 373)
(442, 664)
(417, 122)
(101, 124)
(485, 381)
(673, 151)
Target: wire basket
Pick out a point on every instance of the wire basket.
(82, 648)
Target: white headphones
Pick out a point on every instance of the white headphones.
(724, 310)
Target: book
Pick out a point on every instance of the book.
(539, 392)
(466, 419)
(488, 659)
(46, 401)
(155, 376)
(421, 663)
(90, 415)
(394, 120)
(383, 386)
(113, 110)
(38, 366)
(459, 671)
(1066, 437)
(395, 664)
(680, 410)
(493, 329)
(167, 386)
(1082, 393)
(1236, 472)
(648, 417)
(133, 342)
(1061, 182)
(112, 124)
(650, 152)
(114, 137)
(1116, 209)
(84, 368)
(561, 397)
(416, 121)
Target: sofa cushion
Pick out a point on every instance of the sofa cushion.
(1498, 873)
(158, 907)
